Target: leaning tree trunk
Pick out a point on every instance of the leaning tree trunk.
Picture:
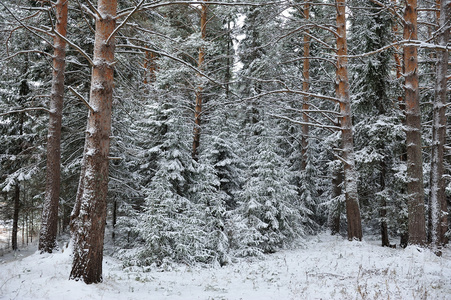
(437, 204)
(350, 173)
(49, 225)
(89, 215)
(415, 189)
(200, 63)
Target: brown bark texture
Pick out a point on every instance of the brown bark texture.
(335, 211)
(415, 189)
(383, 208)
(150, 67)
(89, 215)
(198, 103)
(15, 228)
(350, 173)
(49, 225)
(305, 88)
(437, 204)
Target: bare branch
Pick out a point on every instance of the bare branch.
(304, 123)
(85, 55)
(27, 51)
(173, 58)
(25, 26)
(93, 9)
(288, 91)
(125, 20)
(25, 110)
(82, 99)
(157, 4)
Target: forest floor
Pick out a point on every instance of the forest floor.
(327, 267)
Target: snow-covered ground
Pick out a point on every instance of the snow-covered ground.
(326, 268)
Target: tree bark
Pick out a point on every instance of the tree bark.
(350, 173)
(200, 63)
(437, 204)
(335, 212)
(305, 88)
(415, 189)
(383, 207)
(90, 217)
(150, 67)
(49, 225)
(15, 228)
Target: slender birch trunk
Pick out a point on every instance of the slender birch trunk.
(415, 189)
(89, 217)
(200, 63)
(49, 225)
(438, 205)
(350, 173)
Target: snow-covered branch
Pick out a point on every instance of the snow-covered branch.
(25, 26)
(173, 58)
(82, 99)
(24, 110)
(125, 21)
(305, 123)
(83, 53)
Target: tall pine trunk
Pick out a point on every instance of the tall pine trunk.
(200, 63)
(350, 173)
(305, 88)
(89, 215)
(15, 228)
(437, 204)
(383, 207)
(49, 225)
(415, 189)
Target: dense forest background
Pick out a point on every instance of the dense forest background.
(238, 127)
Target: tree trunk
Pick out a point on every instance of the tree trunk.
(305, 88)
(383, 207)
(113, 233)
(200, 63)
(335, 212)
(150, 67)
(437, 203)
(350, 173)
(415, 190)
(49, 225)
(89, 215)
(15, 228)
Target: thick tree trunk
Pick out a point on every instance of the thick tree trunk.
(335, 212)
(15, 228)
(305, 88)
(350, 173)
(90, 217)
(415, 189)
(437, 203)
(49, 225)
(198, 104)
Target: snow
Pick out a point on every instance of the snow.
(328, 267)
